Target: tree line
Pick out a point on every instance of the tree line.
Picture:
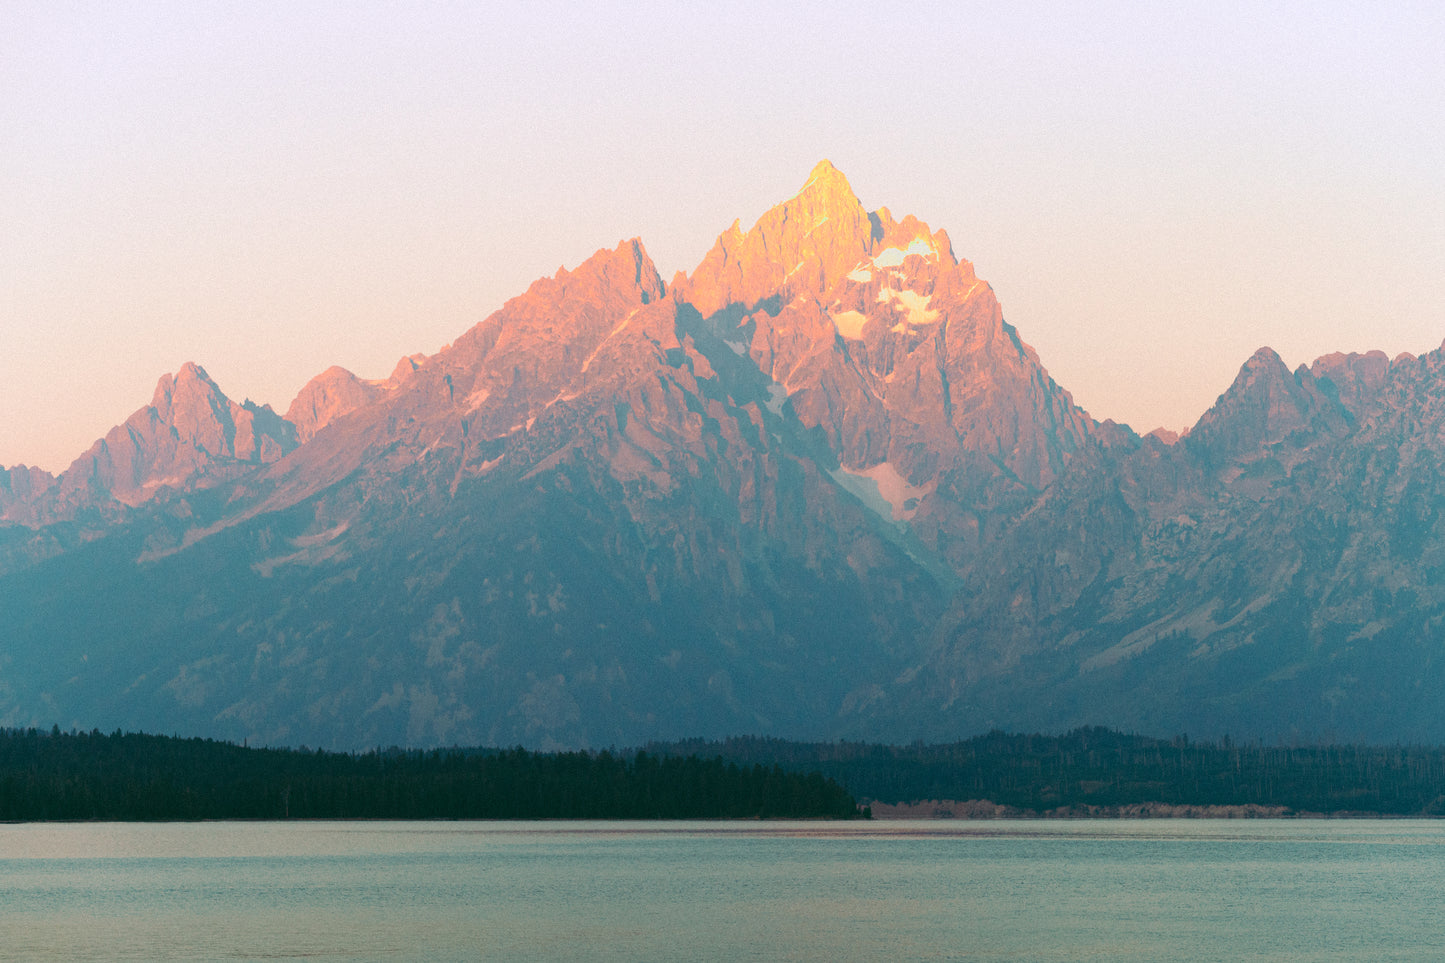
(1097, 767)
(134, 776)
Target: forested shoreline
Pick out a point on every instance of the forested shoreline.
(56, 775)
(1097, 771)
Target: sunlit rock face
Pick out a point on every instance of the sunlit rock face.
(328, 396)
(818, 487)
(190, 437)
(877, 334)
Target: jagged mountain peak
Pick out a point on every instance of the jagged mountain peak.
(405, 368)
(199, 412)
(881, 336)
(190, 379)
(824, 170)
(483, 393)
(826, 185)
(190, 376)
(20, 486)
(192, 403)
(567, 306)
(1355, 380)
(1339, 359)
(801, 246)
(1264, 359)
(626, 270)
(328, 396)
(1165, 436)
(1371, 366)
(854, 501)
(823, 245)
(1261, 373)
(191, 435)
(1260, 370)
(909, 236)
(191, 371)
(1267, 408)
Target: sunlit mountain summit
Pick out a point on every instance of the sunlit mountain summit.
(818, 487)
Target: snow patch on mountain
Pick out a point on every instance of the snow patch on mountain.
(883, 490)
(895, 256)
(777, 397)
(914, 306)
(850, 323)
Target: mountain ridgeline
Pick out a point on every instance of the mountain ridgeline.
(817, 488)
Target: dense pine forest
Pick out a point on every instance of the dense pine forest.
(128, 776)
(55, 775)
(1098, 769)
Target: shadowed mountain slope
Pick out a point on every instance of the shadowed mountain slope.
(817, 488)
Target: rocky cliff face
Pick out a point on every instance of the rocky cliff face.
(567, 528)
(1278, 572)
(328, 396)
(20, 486)
(191, 436)
(875, 333)
(818, 487)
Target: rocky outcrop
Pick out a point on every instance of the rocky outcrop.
(1354, 380)
(801, 247)
(1163, 435)
(1266, 409)
(328, 396)
(20, 487)
(190, 436)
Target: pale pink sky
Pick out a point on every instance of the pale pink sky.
(272, 188)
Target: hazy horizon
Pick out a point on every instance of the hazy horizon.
(269, 191)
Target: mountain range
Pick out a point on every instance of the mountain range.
(817, 488)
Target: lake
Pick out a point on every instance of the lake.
(1130, 890)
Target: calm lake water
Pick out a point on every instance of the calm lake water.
(980, 891)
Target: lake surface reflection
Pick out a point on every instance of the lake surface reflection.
(1127, 890)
